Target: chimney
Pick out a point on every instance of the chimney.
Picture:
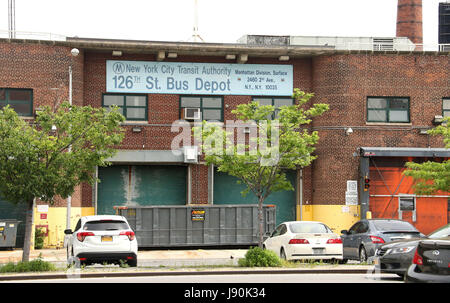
(409, 20)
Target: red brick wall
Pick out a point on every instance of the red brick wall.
(341, 80)
(164, 109)
(344, 82)
(43, 68)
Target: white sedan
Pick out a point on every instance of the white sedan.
(102, 239)
(301, 240)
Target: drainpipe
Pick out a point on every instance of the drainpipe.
(189, 185)
(300, 186)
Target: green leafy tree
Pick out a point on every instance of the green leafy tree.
(432, 176)
(275, 145)
(49, 156)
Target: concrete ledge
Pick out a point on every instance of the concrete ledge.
(184, 272)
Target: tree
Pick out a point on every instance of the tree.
(275, 145)
(49, 156)
(432, 176)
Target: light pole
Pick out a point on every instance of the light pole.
(74, 52)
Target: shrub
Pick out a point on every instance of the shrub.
(258, 257)
(30, 266)
(39, 238)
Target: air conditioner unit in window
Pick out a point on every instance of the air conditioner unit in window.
(191, 114)
(437, 120)
(190, 154)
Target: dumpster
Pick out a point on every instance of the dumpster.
(197, 225)
(8, 233)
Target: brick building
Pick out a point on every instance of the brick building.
(383, 94)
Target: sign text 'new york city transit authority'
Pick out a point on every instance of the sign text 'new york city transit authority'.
(198, 78)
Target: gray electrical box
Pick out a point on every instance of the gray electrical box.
(8, 232)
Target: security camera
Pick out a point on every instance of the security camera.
(348, 131)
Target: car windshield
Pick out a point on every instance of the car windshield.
(444, 231)
(389, 225)
(309, 228)
(105, 225)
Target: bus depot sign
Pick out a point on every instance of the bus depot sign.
(198, 78)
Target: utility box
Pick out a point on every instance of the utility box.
(198, 225)
(8, 233)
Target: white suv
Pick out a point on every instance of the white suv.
(102, 239)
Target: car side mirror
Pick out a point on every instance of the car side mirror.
(68, 232)
(344, 232)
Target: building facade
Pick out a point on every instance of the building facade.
(381, 104)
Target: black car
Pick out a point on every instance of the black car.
(362, 239)
(396, 257)
(431, 262)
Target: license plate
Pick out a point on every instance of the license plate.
(318, 251)
(107, 238)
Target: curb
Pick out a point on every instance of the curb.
(180, 273)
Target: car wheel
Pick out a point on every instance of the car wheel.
(283, 254)
(362, 255)
(132, 263)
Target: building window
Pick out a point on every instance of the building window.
(21, 100)
(133, 107)
(446, 107)
(211, 108)
(276, 102)
(388, 109)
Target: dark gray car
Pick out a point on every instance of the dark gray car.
(362, 239)
(396, 257)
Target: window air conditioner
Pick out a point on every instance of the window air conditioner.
(190, 154)
(191, 114)
(437, 120)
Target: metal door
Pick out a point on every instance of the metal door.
(388, 183)
(228, 191)
(140, 185)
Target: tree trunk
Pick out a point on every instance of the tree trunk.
(261, 222)
(28, 231)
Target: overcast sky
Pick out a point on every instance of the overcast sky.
(222, 21)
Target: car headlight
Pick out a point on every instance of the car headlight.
(400, 250)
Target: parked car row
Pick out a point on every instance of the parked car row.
(395, 246)
(406, 257)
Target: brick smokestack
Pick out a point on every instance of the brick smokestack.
(409, 20)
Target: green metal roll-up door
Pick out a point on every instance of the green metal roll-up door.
(9, 210)
(227, 191)
(140, 185)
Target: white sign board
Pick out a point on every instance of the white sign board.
(151, 77)
(42, 208)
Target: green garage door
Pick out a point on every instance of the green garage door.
(9, 210)
(140, 185)
(227, 191)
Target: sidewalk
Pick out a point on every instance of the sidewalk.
(168, 262)
(147, 258)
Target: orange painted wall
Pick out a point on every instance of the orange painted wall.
(431, 212)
